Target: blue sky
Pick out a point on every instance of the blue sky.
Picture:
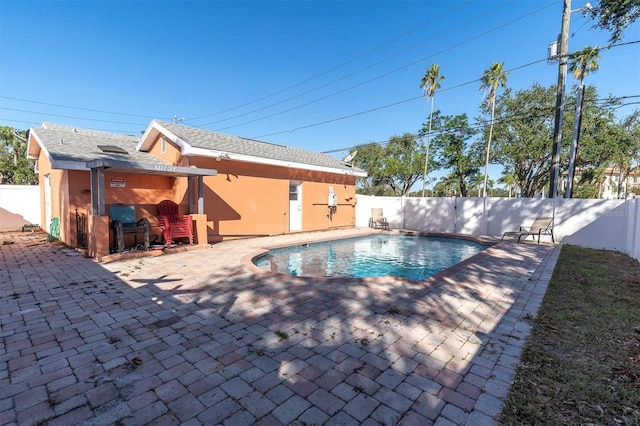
(319, 75)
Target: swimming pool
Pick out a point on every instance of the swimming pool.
(415, 257)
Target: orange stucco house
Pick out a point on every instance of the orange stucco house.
(231, 186)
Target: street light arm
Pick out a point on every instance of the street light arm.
(587, 9)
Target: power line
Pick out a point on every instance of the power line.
(80, 108)
(624, 105)
(267, 96)
(406, 100)
(75, 118)
(386, 73)
(383, 106)
(452, 29)
(324, 97)
(21, 121)
(295, 85)
(337, 66)
(498, 120)
(286, 131)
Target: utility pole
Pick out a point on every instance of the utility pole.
(562, 78)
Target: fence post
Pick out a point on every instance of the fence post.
(454, 200)
(485, 215)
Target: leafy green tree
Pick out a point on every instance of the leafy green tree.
(616, 147)
(616, 15)
(499, 192)
(430, 83)
(476, 184)
(455, 150)
(592, 188)
(635, 190)
(393, 168)
(511, 181)
(628, 154)
(523, 135)
(15, 168)
(370, 158)
(599, 143)
(493, 78)
(447, 186)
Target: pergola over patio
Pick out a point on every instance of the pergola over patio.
(98, 224)
(100, 166)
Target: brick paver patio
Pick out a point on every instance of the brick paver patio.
(194, 338)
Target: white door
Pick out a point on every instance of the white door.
(295, 206)
(47, 202)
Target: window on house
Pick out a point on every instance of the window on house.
(293, 192)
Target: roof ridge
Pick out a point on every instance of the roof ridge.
(213, 132)
(84, 132)
(208, 139)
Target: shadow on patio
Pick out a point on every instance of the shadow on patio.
(195, 337)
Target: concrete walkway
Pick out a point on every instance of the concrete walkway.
(194, 338)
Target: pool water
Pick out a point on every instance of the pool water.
(415, 257)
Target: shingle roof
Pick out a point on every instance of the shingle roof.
(206, 139)
(72, 144)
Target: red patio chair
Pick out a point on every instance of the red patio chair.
(174, 225)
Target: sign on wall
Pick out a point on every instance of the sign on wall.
(117, 182)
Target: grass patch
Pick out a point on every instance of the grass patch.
(581, 363)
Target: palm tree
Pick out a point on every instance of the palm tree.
(511, 180)
(447, 185)
(430, 83)
(581, 64)
(495, 76)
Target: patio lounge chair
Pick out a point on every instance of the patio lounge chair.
(174, 225)
(123, 222)
(541, 226)
(377, 219)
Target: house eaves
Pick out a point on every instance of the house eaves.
(71, 148)
(34, 146)
(129, 167)
(198, 142)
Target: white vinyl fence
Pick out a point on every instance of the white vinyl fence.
(601, 224)
(19, 206)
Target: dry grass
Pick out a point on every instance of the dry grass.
(581, 364)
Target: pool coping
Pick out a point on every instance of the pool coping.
(247, 260)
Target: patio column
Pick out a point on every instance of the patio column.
(200, 194)
(200, 229)
(97, 236)
(97, 191)
(190, 196)
(98, 221)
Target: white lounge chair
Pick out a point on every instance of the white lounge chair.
(377, 219)
(541, 226)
